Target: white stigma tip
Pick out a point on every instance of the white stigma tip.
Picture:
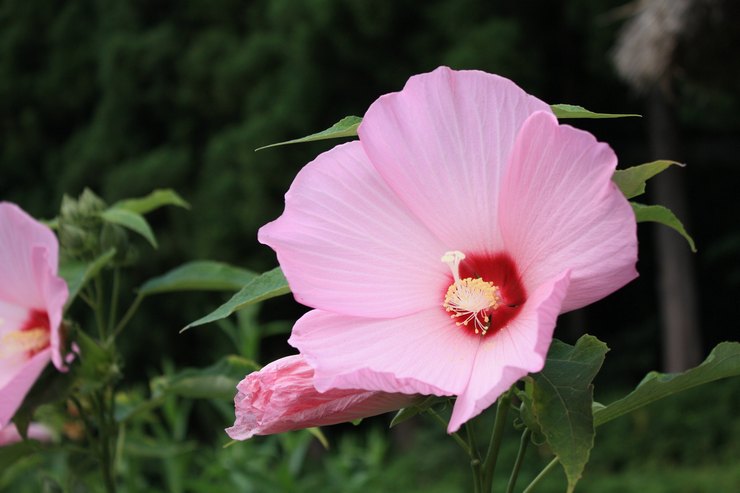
(453, 259)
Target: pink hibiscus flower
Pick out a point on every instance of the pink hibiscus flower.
(281, 397)
(32, 297)
(439, 249)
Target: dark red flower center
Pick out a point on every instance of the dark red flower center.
(32, 337)
(487, 292)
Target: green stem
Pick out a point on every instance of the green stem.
(519, 460)
(99, 315)
(541, 475)
(457, 438)
(85, 420)
(489, 465)
(127, 316)
(475, 463)
(112, 313)
(87, 299)
(106, 438)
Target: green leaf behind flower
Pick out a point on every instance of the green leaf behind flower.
(346, 127)
(265, 286)
(562, 398)
(78, 274)
(631, 181)
(217, 381)
(573, 111)
(201, 275)
(722, 362)
(131, 220)
(662, 215)
(155, 200)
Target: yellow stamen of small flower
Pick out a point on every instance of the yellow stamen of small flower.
(471, 298)
(22, 341)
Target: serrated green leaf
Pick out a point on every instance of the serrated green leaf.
(217, 381)
(573, 111)
(131, 220)
(263, 287)
(155, 200)
(78, 274)
(662, 215)
(562, 397)
(631, 181)
(722, 362)
(202, 275)
(346, 127)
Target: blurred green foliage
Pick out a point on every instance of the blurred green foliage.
(688, 443)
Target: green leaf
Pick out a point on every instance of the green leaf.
(562, 396)
(155, 200)
(319, 435)
(631, 181)
(96, 365)
(662, 215)
(409, 412)
(131, 220)
(722, 362)
(573, 111)
(265, 286)
(9, 454)
(203, 275)
(346, 127)
(217, 381)
(78, 274)
(526, 411)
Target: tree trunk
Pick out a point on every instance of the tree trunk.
(681, 344)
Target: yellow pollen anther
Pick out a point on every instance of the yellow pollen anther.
(21, 341)
(471, 298)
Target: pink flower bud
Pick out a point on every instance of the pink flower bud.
(281, 397)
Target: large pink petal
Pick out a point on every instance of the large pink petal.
(12, 317)
(20, 237)
(28, 271)
(282, 397)
(15, 389)
(516, 350)
(55, 294)
(347, 244)
(443, 143)
(560, 210)
(422, 353)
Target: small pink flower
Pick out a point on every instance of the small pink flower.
(32, 297)
(439, 249)
(9, 435)
(281, 397)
